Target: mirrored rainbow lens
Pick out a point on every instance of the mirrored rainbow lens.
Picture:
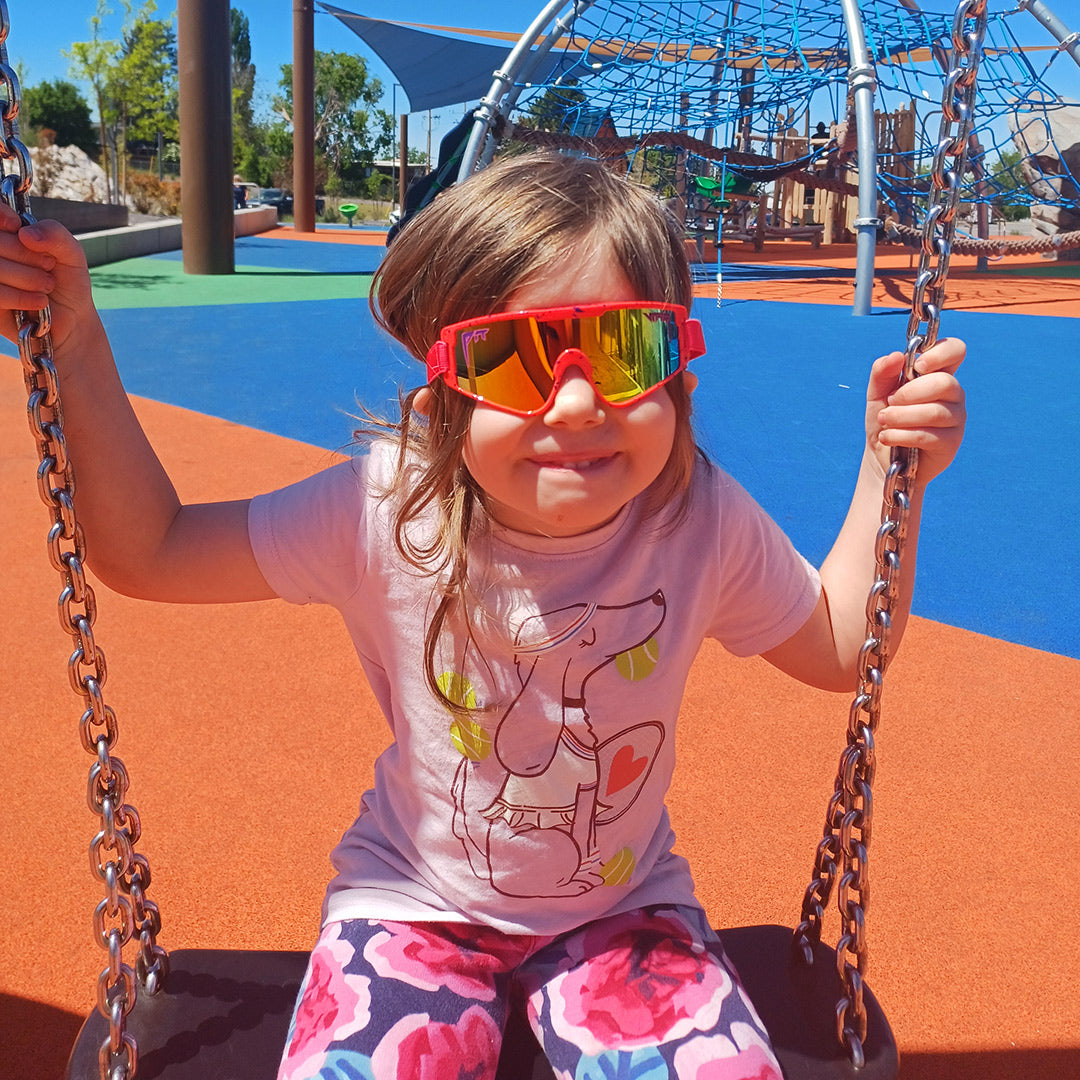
(510, 362)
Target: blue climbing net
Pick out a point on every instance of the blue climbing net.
(734, 79)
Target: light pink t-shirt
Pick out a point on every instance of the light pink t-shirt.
(544, 808)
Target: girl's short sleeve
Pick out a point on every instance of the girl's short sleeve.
(766, 589)
(309, 539)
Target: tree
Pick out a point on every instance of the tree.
(254, 167)
(1010, 181)
(243, 81)
(548, 112)
(92, 62)
(142, 82)
(59, 106)
(349, 130)
(133, 80)
(145, 78)
(378, 186)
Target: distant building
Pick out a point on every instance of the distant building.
(390, 168)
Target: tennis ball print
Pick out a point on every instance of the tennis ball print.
(457, 688)
(618, 869)
(638, 662)
(470, 739)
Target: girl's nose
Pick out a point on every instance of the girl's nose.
(575, 399)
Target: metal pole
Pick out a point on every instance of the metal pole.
(115, 196)
(485, 113)
(1070, 40)
(403, 162)
(303, 90)
(203, 46)
(863, 82)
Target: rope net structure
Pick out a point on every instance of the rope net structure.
(722, 103)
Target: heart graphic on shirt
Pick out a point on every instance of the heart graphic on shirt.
(625, 769)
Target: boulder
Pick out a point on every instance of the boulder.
(1049, 141)
(66, 172)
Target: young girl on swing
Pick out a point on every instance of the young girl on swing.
(527, 563)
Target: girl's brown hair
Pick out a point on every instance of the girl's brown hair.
(464, 256)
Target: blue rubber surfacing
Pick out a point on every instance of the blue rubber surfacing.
(779, 405)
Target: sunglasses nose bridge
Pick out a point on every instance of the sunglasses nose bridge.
(568, 358)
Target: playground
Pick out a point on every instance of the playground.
(234, 730)
(974, 957)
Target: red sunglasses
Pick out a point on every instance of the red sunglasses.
(514, 360)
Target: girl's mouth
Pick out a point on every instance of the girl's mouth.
(572, 464)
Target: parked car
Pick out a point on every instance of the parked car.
(283, 200)
(273, 196)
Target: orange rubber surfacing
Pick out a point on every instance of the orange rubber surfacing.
(967, 289)
(250, 733)
(365, 237)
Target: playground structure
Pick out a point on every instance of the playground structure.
(819, 204)
(707, 90)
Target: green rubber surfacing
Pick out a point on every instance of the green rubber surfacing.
(157, 283)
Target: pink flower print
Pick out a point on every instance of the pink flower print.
(464, 961)
(642, 985)
(333, 1005)
(744, 1056)
(422, 1050)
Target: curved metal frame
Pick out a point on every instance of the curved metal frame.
(520, 62)
(1068, 39)
(509, 81)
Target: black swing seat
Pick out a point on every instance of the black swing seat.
(224, 1015)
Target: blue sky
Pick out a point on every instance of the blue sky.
(36, 44)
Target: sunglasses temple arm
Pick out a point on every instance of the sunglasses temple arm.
(438, 360)
(695, 339)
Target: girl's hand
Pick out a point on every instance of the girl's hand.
(927, 413)
(42, 264)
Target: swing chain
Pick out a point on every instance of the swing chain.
(125, 912)
(841, 856)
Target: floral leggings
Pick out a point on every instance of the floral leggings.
(647, 994)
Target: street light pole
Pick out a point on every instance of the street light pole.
(401, 146)
(403, 161)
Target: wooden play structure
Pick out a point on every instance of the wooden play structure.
(815, 202)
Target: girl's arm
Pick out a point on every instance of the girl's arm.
(928, 413)
(140, 539)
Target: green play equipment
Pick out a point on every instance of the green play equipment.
(349, 210)
(716, 190)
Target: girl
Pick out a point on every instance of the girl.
(527, 563)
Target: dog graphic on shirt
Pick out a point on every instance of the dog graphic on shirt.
(559, 784)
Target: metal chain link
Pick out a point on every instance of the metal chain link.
(125, 912)
(841, 857)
